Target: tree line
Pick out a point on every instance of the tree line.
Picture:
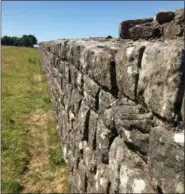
(25, 40)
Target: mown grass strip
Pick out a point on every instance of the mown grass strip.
(24, 91)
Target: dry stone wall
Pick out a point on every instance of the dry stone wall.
(118, 107)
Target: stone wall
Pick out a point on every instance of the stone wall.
(119, 113)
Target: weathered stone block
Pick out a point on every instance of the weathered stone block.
(102, 179)
(145, 31)
(90, 101)
(91, 167)
(93, 130)
(106, 100)
(165, 16)
(90, 86)
(161, 77)
(75, 101)
(129, 117)
(126, 25)
(103, 140)
(166, 159)
(133, 180)
(67, 97)
(61, 67)
(83, 118)
(128, 63)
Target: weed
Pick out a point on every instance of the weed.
(56, 157)
(32, 60)
(47, 99)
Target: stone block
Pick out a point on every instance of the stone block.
(165, 16)
(161, 78)
(128, 63)
(166, 159)
(90, 86)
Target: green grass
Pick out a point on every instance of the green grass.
(22, 94)
(55, 156)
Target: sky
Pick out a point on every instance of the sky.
(50, 20)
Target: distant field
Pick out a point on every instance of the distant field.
(31, 156)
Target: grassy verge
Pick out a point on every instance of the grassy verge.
(31, 157)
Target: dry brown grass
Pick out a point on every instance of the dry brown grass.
(41, 176)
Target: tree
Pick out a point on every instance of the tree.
(28, 40)
(32, 39)
(15, 41)
(6, 40)
(25, 40)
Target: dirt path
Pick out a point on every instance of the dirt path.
(41, 176)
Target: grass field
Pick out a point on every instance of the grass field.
(31, 156)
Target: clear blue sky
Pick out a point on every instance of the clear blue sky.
(50, 20)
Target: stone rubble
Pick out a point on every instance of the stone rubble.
(166, 24)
